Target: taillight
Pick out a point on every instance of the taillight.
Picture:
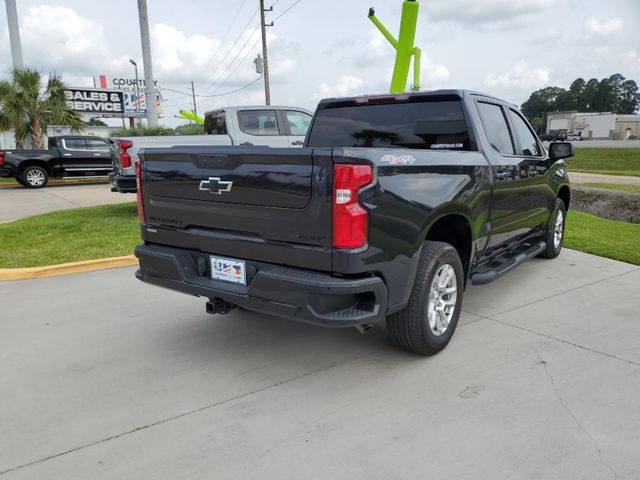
(350, 220)
(125, 158)
(139, 191)
(1, 158)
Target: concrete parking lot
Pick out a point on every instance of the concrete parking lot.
(103, 377)
(19, 202)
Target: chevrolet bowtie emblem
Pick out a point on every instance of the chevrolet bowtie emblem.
(215, 185)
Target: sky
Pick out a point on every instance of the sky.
(318, 49)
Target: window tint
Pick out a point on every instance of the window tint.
(495, 126)
(298, 122)
(215, 124)
(258, 122)
(75, 143)
(436, 125)
(528, 143)
(97, 145)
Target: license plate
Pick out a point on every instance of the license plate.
(228, 270)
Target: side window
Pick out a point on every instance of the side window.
(215, 124)
(298, 122)
(258, 122)
(495, 126)
(97, 145)
(528, 143)
(75, 143)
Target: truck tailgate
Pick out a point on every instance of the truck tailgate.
(258, 199)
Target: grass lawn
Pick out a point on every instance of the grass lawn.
(70, 236)
(608, 161)
(7, 180)
(600, 236)
(622, 187)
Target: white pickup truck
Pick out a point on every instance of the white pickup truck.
(264, 125)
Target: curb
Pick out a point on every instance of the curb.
(66, 268)
(55, 183)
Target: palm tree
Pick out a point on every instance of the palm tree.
(29, 105)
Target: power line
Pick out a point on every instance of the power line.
(208, 96)
(290, 7)
(231, 49)
(238, 65)
(224, 38)
(239, 52)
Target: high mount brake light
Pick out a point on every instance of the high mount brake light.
(350, 220)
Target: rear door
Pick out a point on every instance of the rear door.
(296, 124)
(78, 157)
(511, 210)
(260, 127)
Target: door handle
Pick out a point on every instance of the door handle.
(297, 142)
(96, 154)
(66, 154)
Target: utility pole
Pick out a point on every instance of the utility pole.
(193, 94)
(267, 93)
(14, 34)
(149, 87)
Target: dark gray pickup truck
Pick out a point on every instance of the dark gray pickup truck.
(392, 206)
(67, 156)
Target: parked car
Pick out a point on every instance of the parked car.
(394, 203)
(67, 156)
(554, 137)
(574, 137)
(271, 126)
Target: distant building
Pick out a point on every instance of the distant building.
(594, 125)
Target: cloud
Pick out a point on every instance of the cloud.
(605, 29)
(518, 82)
(57, 38)
(485, 11)
(345, 86)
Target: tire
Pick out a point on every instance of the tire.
(35, 177)
(414, 329)
(553, 237)
(20, 181)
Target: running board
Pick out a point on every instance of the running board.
(482, 278)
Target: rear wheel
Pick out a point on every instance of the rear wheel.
(428, 322)
(35, 177)
(555, 231)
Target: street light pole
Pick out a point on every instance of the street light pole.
(149, 87)
(14, 34)
(137, 104)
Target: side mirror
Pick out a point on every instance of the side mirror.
(558, 150)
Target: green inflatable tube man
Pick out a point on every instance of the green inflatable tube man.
(403, 45)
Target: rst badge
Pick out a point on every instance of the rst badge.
(399, 159)
(215, 185)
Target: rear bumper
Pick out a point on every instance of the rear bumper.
(122, 183)
(295, 294)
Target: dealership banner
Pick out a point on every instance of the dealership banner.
(91, 101)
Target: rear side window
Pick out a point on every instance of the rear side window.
(75, 143)
(528, 143)
(495, 126)
(435, 125)
(258, 122)
(97, 145)
(215, 124)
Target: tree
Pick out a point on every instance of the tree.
(96, 122)
(190, 129)
(30, 105)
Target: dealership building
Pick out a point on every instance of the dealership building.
(596, 126)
